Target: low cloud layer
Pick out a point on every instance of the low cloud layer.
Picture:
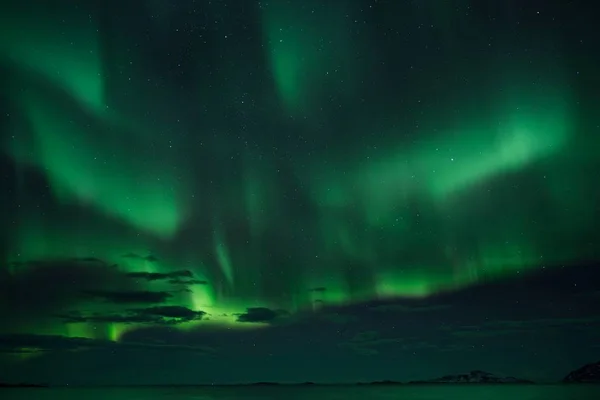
(261, 314)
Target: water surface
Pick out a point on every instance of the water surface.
(459, 392)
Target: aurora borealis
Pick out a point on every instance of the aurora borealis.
(254, 172)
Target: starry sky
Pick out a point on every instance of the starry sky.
(202, 191)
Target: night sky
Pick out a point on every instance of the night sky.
(199, 191)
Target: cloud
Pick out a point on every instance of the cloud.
(364, 337)
(365, 351)
(32, 343)
(518, 327)
(155, 276)
(134, 256)
(422, 345)
(365, 343)
(338, 318)
(457, 347)
(545, 324)
(88, 260)
(173, 312)
(260, 314)
(368, 343)
(127, 297)
(40, 287)
(188, 282)
(160, 315)
(478, 332)
(404, 308)
(47, 288)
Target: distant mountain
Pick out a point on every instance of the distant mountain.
(589, 373)
(473, 377)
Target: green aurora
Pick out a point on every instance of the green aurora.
(407, 210)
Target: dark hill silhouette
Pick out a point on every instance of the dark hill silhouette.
(589, 373)
(473, 377)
